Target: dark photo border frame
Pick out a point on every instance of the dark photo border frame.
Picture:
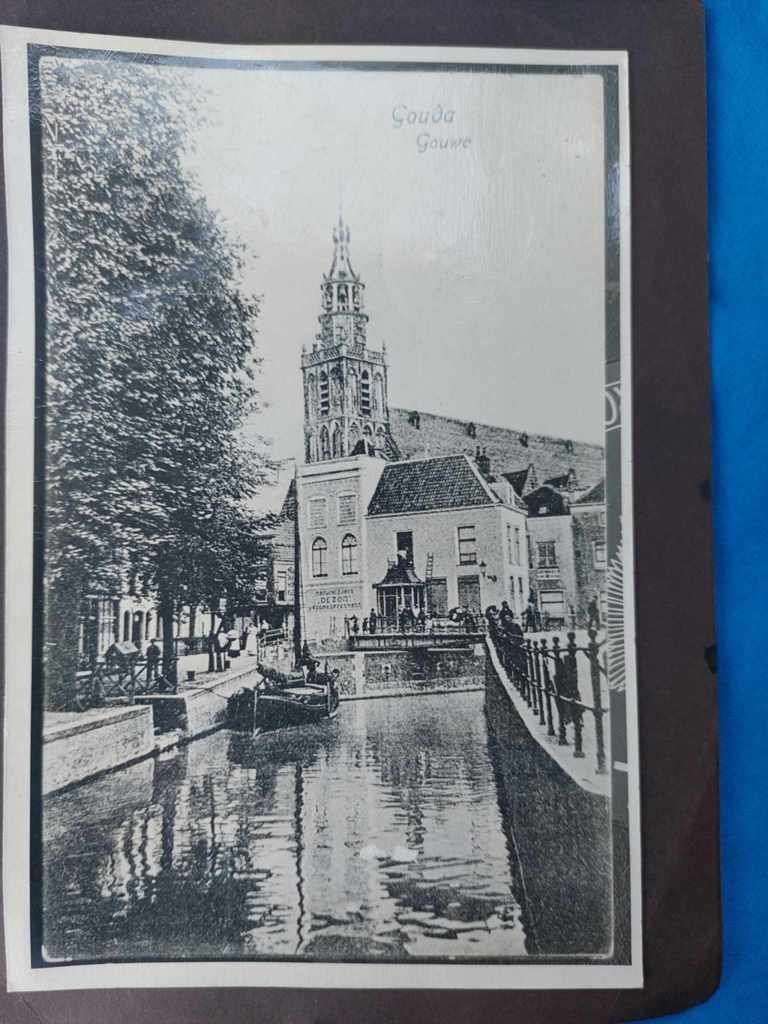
(675, 628)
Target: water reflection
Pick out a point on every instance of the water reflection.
(375, 836)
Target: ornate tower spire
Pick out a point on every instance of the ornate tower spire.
(342, 296)
(345, 382)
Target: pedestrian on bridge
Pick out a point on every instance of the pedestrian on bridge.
(153, 660)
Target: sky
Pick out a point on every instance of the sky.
(483, 263)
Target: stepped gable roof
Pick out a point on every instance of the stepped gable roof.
(430, 485)
(400, 574)
(507, 449)
(594, 496)
(546, 501)
(523, 480)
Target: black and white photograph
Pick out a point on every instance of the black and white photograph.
(319, 566)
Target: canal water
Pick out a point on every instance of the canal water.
(376, 836)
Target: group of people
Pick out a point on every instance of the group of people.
(407, 621)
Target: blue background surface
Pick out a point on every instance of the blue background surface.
(737, 52)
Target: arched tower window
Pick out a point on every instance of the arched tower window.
(343, 296)
(327, 296)
(378, 395)
(325, 444)
(380, 439)
(324, 394)
(319, 557)
(349, 555)
(365, 393)
(352, 391)
(354, 437)
(337, 443)
(126, 625)
(356, 296)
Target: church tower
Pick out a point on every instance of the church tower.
(345, 383)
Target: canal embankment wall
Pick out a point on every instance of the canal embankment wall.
(560, 833)
(400, 673)
(80, 745)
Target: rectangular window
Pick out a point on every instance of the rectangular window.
(599, 553)
(522, 595)
(467, 545)
(512, 593)
(281, 585)
(347, 509)
(547, 556)
(316, 512)
(517, 546)
(437, 598)
(510, 552)
(552, 605)
(404, 543)
(530, 551)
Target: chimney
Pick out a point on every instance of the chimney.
(484, 463)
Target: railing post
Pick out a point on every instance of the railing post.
(562, 738)
(594, 665)
(536, 678)
(547, 687)
(541, 665)
(529, 672)
(577, 712)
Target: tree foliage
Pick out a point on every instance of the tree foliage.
(150, 361)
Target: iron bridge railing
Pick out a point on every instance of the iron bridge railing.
(546, 675)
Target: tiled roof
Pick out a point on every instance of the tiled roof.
(595, 495)
(507, 449)
(427, 485)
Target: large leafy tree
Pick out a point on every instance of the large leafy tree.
(150, 361)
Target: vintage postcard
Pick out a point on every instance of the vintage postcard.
(320, 657)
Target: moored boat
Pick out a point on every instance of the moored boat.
(284, 700)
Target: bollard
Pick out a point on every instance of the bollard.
(547, 688)
(593, 651)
